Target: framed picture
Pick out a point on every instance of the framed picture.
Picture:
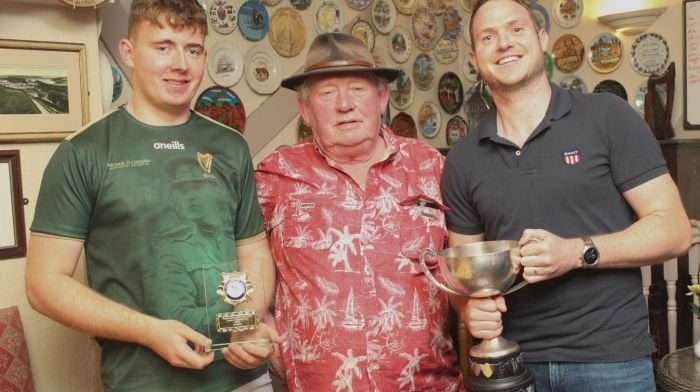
(13, 242)
(691, 55)
(43, 90)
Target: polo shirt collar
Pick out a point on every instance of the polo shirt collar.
(559, 106)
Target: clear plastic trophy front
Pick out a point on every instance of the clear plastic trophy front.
(235, 303)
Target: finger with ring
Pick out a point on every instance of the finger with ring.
(534, 271)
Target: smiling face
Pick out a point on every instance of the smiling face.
(344, 112)
(508, 46)
(168, 65)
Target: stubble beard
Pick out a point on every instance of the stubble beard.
(495, 86)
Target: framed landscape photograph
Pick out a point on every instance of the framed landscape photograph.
(43, 90)
(13, 242)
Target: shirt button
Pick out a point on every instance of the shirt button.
(518, 153)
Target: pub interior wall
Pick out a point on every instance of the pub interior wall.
(65, 360)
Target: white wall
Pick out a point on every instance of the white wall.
(64, 360)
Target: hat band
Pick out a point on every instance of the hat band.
(339, 63)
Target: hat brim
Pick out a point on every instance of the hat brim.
(293, 82)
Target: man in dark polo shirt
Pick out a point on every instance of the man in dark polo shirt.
(579, 181)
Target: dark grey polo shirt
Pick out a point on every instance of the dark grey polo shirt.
(568, 179)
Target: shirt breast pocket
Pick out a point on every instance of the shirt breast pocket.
(422, 226)
(305, 223)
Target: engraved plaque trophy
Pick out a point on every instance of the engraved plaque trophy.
(235, 302)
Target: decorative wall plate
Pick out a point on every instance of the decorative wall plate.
(567, 13)
(424, 71)
(83, 3)
(271, 3)
(650, 54)
(406, 7)
(450, 92)
(401, 90)
(223, 105)
(403, 125)
(287, 32)
(438, 6)
(425, 28)
(429, 119)
(548, 65)
(400, 44)
(363, 31)
(605, 53)
(452, 23)
(358, 4)
(253, 20)
(222, 15)
(300, 4)
(541, 14)
(611, 86)
(383, 15)
(263, 70)
(455, 129)
(446, 51)
(573, 83)
(568, 52)
(468, 5)
(329, 17)
(225, 64)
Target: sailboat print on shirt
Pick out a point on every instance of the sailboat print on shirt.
(351, 322)
(418, 320)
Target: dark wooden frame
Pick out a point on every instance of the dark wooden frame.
(19, 248)
(686, 109)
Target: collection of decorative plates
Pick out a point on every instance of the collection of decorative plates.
(649, 54)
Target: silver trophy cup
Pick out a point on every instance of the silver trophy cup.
(484, 269)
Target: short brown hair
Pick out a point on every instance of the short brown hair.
(176, 13)
(480, 3)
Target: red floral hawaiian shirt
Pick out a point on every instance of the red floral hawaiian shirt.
(355, 308)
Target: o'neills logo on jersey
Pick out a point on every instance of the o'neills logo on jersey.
(571, 157)
(174, 145)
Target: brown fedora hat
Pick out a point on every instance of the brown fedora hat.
(338, 53)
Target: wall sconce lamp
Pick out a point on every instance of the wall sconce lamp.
(632, 22)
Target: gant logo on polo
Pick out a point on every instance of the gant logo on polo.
(571, 157)
(174, 145)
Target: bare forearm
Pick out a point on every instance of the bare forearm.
(73, 304)
(650, 240)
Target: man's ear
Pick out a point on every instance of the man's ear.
(304, 111)
(126, 51)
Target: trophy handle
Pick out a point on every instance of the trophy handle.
(516, 287)
(429, 274)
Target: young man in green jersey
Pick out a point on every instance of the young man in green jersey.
(111, 190)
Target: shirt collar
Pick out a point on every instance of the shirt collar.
(559, 106)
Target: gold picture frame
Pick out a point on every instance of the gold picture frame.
(13, 242)
(43, 90)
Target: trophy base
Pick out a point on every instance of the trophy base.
(524, 382)
(256, 342)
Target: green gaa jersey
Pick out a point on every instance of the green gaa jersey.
(159, 207)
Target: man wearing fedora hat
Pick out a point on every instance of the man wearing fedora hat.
(347, 214)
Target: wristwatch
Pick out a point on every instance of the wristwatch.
(590, 254)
